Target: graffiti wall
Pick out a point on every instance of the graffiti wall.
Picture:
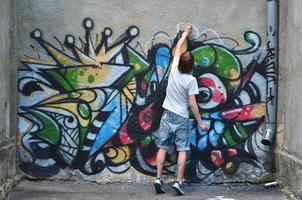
(94, 103)
(90, 104)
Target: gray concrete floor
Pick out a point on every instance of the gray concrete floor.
(64, 190)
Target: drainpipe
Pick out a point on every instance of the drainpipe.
(271, 73)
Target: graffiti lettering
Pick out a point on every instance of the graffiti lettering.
(271, 74)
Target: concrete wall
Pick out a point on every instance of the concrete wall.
(90, 99)
(7, 102)
(289, 151)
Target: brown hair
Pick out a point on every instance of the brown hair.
(186, 62)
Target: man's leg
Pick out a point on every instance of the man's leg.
(182, 141)
(160, 159)
(181, 166)
(163, 143)
(181, 161)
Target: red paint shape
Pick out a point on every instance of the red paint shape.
(217, 96)
(232, 152)
(144, 85)
(123, 135)
(245, 113)
(217, 158)
(208, 82)
(108, 144)
(146, 118)
(151, 160)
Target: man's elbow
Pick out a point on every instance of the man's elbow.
(192, 104)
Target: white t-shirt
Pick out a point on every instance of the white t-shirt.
(180, 86)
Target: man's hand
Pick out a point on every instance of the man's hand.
(188, 28)
(187, 31)
(203, 127)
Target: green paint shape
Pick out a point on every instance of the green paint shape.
(58, 77)
(135, 60)
(204, 56)
(226, 65)
(90, 79)
(242, 130)
(72, 94)
(222, 61)
(71, 75)
(83, 133)
(229, 138)
(148, 75)
(84, 110)
(50, 130)
(146, 141)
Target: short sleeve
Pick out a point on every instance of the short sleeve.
(193, 87)
(175, 63)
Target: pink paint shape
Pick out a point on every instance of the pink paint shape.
(217, 158)
(108, 144)
(232, 152)
(123, 135)
(245, 113)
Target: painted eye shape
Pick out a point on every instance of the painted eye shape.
(205, 95)
(147, 117)
(212, 91)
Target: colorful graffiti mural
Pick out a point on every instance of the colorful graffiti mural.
(92, 104)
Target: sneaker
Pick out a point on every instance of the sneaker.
(177, 187)
(159, 186)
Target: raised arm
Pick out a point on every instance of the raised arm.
(187, 31)
(195, 110)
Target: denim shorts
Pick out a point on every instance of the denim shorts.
(174, 129)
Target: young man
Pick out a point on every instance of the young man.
(174, 125)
